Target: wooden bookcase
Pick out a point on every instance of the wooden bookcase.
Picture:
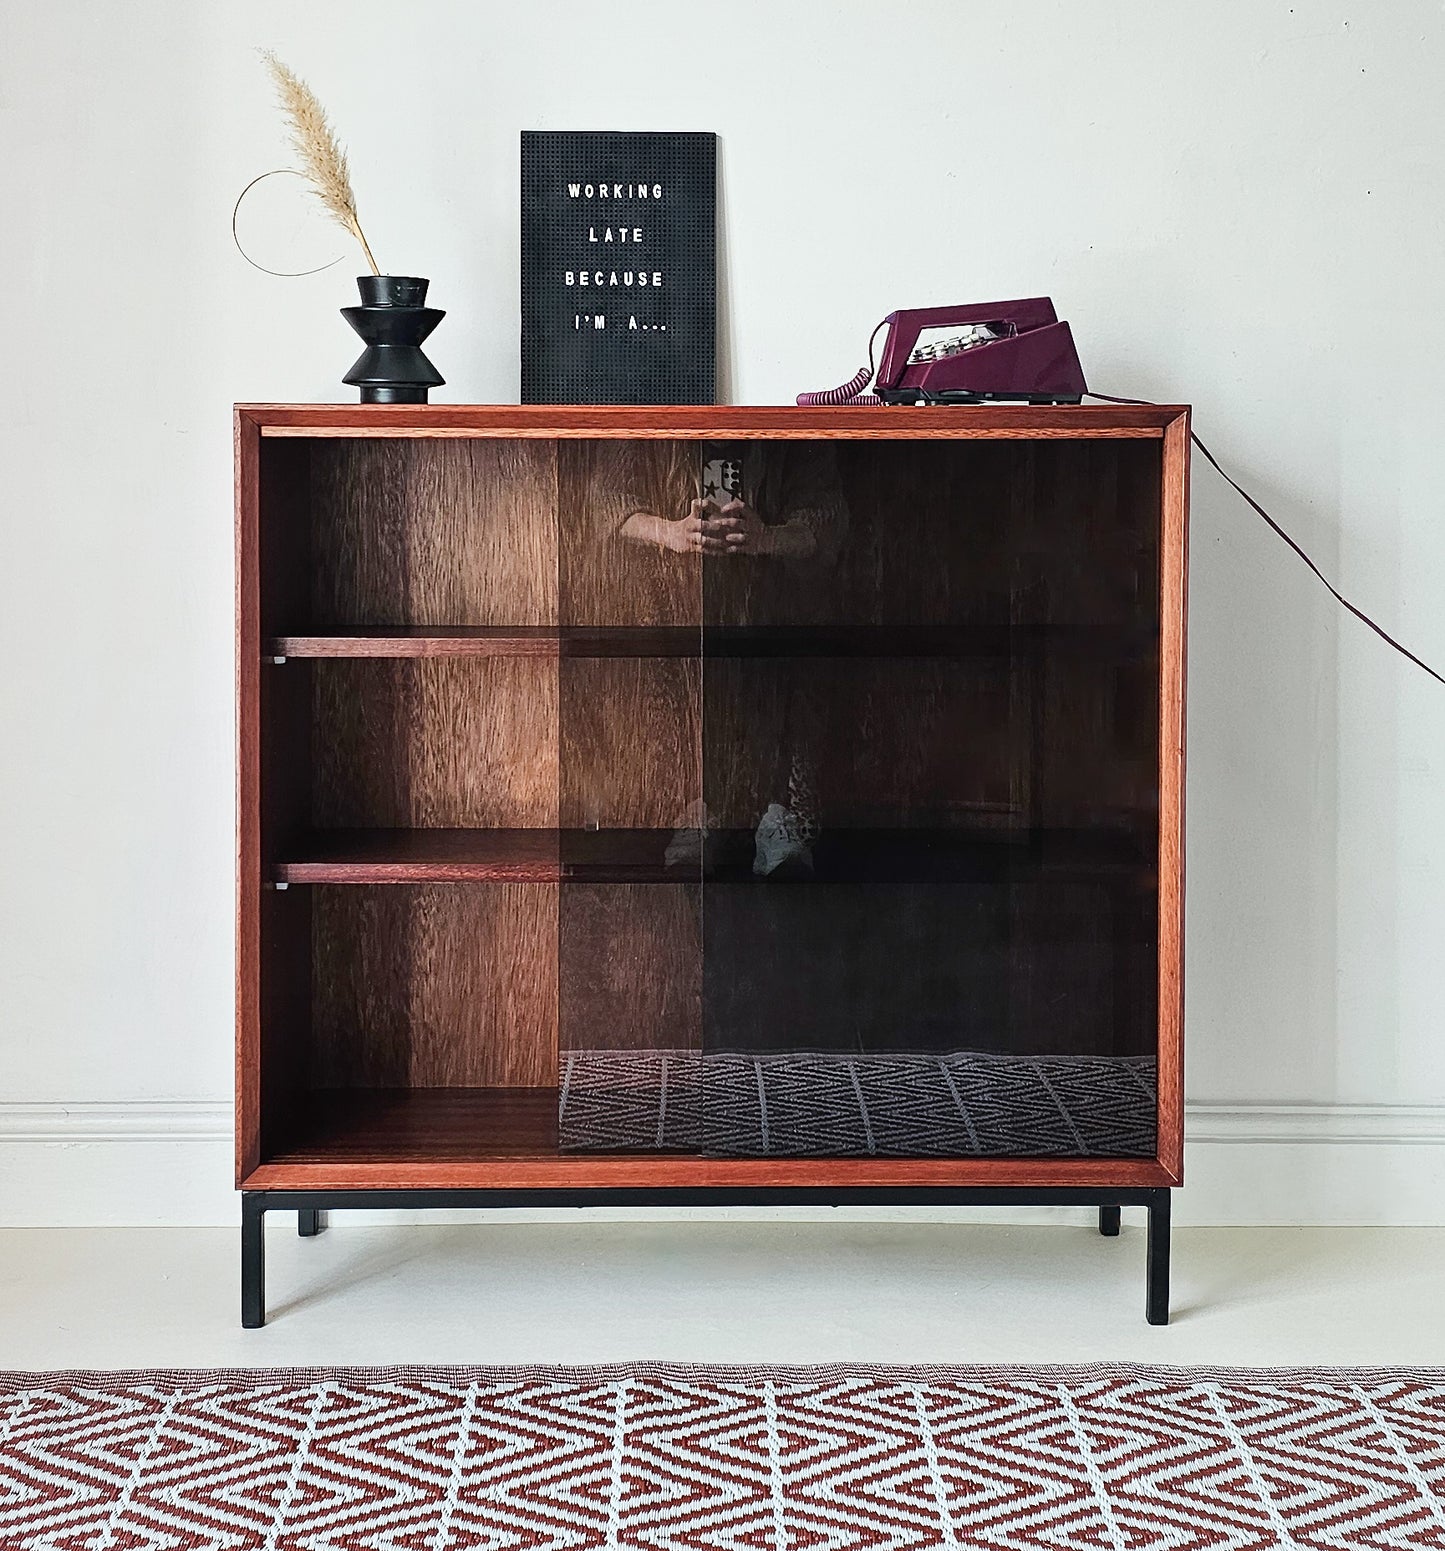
(479, 720)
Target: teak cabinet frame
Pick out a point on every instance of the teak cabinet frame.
(311, 1184)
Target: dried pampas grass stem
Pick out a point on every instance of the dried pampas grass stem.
(323, 162)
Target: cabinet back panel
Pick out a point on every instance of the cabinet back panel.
(889, 740)
(433, 532)
(630, 741)
(630, 966)
(434, 986)
(606, 576)
(435, 743)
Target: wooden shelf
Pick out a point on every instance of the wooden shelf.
(492, 641)
(347, 1125)
(639, 856)
(424, 856)
(441, 1138)
(790, 641)
(480, 856)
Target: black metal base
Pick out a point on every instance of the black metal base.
(311, 1205)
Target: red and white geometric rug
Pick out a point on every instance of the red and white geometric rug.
(662, 1457)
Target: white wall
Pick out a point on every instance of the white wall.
(1237, 205)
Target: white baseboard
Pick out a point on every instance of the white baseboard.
(169, 1164)
(116, 1165)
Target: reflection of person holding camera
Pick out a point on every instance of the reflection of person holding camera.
(775, 501)
(764, 503)
(726, 527)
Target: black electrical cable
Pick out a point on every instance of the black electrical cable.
(1334, 591)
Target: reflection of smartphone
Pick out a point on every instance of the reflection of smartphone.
(722, 476)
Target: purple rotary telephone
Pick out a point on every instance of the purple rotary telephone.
(983, 353)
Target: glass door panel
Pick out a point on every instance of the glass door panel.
(929, 759)
(630, 800)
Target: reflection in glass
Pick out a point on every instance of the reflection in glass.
(864, 859)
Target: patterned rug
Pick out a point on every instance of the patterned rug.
(748, 1459)
(956, 1104)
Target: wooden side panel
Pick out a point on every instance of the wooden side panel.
(248, 794)
(285, 991)
(418, 532)
(284, 522)
(435, 743)
(1174, 601)
(399, 518)
(436, 985)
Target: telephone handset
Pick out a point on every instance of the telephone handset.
(980, 353)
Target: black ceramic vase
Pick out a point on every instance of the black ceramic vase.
(393, 322)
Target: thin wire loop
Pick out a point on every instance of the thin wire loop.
(284, 274)
(1329, 586)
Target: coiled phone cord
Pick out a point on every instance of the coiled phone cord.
(850, 392)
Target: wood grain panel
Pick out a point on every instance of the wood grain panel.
(283, 518)
(1174, 606)
(379, 1171)
(631, 742)
(630, 966)
(921, 742)
(448, 743)
(522, 641)
(247, 496)
(929, 537)
(425, 641)
(286, 757)
(434, 985)
(420, 532)
(605, 578)
(424, 856)
(1087, 521)
(847, 422)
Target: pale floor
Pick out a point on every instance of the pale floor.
(722, 1292)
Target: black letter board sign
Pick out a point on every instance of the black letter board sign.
(619, 280)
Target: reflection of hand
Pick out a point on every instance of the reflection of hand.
(735, 530)
(683, 536)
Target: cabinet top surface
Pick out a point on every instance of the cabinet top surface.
(844, 422)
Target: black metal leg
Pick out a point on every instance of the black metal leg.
(310, 1220)
(1109, 1221)
(1156, 1305)
(253, 1259)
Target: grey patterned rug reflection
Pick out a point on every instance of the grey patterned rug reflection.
(964, 1103)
